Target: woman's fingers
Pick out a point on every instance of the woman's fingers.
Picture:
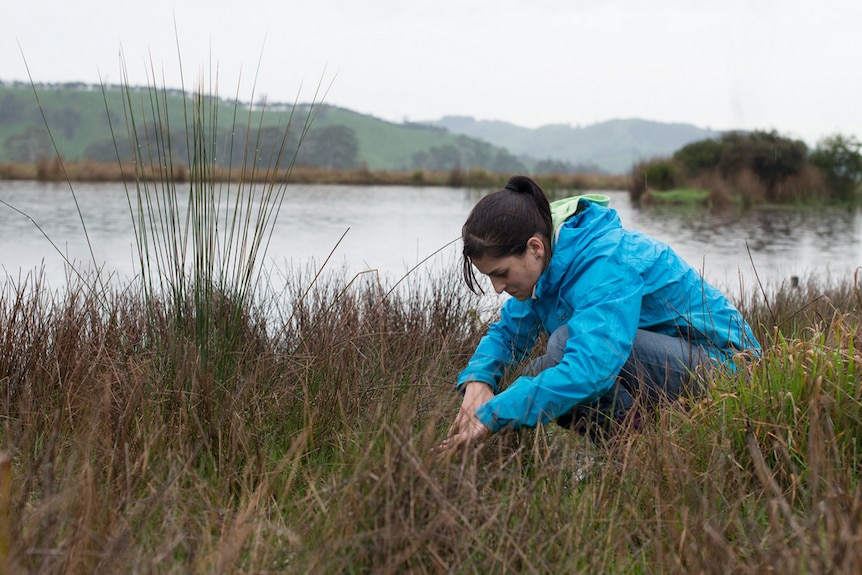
(474, 431)
(467, 427)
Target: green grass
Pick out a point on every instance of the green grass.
(682, 196)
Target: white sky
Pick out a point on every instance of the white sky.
(790, 65)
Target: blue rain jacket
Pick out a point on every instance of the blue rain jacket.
(605, 283)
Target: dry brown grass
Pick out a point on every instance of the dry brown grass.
(310, 451)
(54, 170)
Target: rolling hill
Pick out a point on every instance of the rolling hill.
(77, 116)
(613, 146)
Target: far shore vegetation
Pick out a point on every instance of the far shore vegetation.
(737, 169)
(753, 168)
(199, 420)
(54, 170)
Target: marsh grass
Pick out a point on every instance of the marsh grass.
(317, 457)
(196, 422)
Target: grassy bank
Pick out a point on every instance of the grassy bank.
(55, 171)
(197, 422)
(680, 197)
(304, 444)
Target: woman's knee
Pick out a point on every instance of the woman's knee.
(553, 352)
(663, 366)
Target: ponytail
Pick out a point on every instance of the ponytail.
(500, 224)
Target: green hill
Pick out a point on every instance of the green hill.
(613, 146)
(77, 116)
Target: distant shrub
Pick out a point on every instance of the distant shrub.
(756, 166)
(721, 193)
(481, 179)
(748, 187)
(661, 175)
(699, 157)
(838, 158)
(457, 178)
(770, 157)
(638, 181)
(775, 159)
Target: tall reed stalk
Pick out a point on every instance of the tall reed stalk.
(202, 240)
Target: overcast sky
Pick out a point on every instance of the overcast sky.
(794, 66)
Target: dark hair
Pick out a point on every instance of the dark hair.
(500, 224)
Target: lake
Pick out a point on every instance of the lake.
(392, 229)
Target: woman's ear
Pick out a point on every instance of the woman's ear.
(536, 247)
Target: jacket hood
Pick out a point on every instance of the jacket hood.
(562, 210)
(580, 225)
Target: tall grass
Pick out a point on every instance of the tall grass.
(319, 459)
(201, 233)
(196, 422)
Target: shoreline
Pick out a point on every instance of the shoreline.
(56, 171)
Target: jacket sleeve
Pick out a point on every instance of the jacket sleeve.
(605, 295)
(508, 342)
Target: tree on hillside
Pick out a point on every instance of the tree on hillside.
(840, 160)
(438, 159)
(265, 146)
(551, 166)
(107, 151)
(11, 108)
(66, 121)
(332, 148)
(506, 163)
(31, 146)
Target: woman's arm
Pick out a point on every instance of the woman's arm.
(508, 342)
(607, 300)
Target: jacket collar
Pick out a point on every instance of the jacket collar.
(571, 236)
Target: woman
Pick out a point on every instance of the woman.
(627, 318)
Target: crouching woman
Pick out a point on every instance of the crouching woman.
(629, 322)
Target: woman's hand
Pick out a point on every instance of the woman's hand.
(467, 427)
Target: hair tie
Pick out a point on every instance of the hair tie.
(511, 188)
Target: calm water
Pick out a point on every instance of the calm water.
(391, 229)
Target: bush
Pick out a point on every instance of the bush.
(769, 156)
(699, 157)
(839, 159)
(757, 166)
(638, 182)
(653, 175)
(661, 175)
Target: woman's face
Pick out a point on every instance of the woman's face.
(515, 275)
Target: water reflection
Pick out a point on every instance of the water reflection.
(391, 229)
(776, 242)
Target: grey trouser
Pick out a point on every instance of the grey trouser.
(660, 367)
